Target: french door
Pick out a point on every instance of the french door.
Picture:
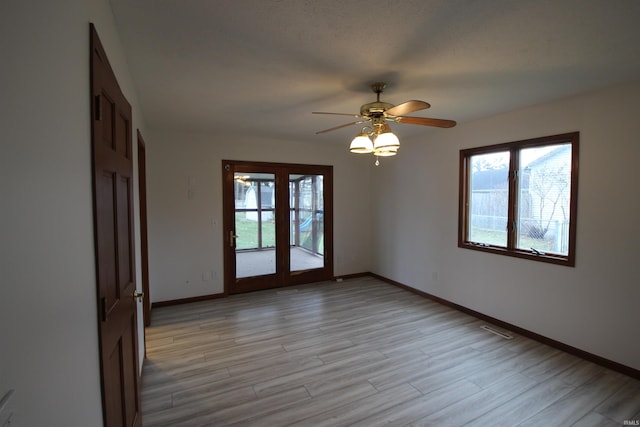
(278, 224)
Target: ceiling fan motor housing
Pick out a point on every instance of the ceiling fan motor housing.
(373, 109)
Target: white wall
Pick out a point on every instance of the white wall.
(593, 306)
(185, 235)
(48, 318)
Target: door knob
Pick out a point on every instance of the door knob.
(138, 295)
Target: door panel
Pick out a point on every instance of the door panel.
(113, 383)
(278, 224)
(106, 239)
(125, 232)
(113, 219)
(130, 373)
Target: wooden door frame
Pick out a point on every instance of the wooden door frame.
(282, 234)
(144, 246)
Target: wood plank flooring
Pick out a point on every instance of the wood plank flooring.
(363, 353)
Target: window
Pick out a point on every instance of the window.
(519, 198)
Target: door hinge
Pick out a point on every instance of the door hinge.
(98, 108)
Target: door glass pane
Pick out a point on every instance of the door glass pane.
(489, 198)
(306, 221)
(255, 228)
(543, 199)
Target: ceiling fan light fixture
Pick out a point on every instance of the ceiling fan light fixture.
(361, 144)
(378, 137)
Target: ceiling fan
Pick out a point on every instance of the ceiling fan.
(378, 138)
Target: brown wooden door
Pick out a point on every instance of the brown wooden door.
(278, 224)
(114, 243)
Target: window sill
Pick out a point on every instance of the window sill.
(531, 255)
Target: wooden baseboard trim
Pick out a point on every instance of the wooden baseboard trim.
(610, 364)
(352, 276)
(224, 294)
(187, 300)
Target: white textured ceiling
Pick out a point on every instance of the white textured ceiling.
(262, 66)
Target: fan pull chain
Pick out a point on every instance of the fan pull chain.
(377, 163)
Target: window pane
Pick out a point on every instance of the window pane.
(489, 199)
(306, 206)
(254, 224)
(544, 199)
(255, 203)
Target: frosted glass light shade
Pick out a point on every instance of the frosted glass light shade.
(385, 151)
(386, 145)
(361, 144)
(386, 140)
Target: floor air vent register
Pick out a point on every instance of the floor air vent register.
(504, 335)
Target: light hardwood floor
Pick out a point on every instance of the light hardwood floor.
(363, 353)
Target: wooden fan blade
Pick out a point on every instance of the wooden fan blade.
(407, 107)
(424, 121)
(339, 127)
(338, 114)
